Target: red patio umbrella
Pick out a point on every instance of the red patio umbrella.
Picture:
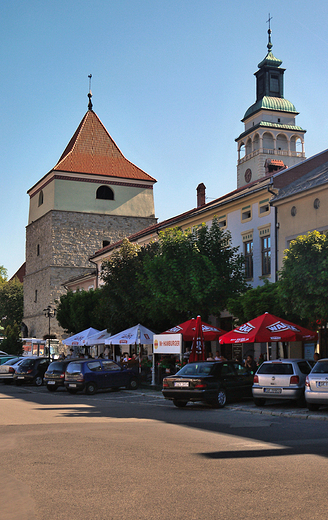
(198, 347)
(265, 328)
(188, 329)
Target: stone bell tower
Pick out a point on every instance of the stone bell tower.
(92, 196)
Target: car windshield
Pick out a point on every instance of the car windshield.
(196, 369)
(320, 368)
(276, 368)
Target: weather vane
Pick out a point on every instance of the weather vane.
(269, 33)
(90, 93)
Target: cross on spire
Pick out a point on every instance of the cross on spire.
(90, 93)
(269, 33)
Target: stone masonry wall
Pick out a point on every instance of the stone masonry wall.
(58, 246)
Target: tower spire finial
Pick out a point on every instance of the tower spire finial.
(90, 93)
(269, 33)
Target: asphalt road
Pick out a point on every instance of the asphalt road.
(122, 455)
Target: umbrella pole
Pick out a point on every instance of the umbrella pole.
(153, 382)
(267, 349)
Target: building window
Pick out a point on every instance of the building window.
(223, 221)
(105, 193)
(266, 255)
(40, 198)
(36, 296)
(248, 252)
(38, 250)
(264, 207)
(246, 213)
(316, 204)
(106, 243)
(293, 211)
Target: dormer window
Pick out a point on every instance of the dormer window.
(105, 193)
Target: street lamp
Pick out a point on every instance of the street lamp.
(49, 313)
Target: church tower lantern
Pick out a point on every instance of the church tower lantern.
(271, 140)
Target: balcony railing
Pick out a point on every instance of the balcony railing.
(270, 151)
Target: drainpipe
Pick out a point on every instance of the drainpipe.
(94, 263)
(276, 227)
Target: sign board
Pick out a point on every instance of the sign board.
(309, 349)
(167, 344)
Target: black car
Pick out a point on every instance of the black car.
(54, 377)
(211, 382)
(31, 370)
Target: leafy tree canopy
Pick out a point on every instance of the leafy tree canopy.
(79, 311)
(11, 302)
(257, 301)
(3, 274)
(183, 274)
(304, 277)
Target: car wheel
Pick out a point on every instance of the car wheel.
(259, 401)
(91, 388)
(221, 399)
(133, 384)
(38, 381)
(313, 407)
(71, 391)
(179, 404)
(51, 388)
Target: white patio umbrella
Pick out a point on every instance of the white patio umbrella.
(137, 334)
(98, 339)
(79, 339)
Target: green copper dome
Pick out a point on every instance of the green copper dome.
(270, 103)
(270, 60)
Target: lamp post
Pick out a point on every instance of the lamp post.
(49, 313)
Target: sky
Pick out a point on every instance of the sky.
(171, 81)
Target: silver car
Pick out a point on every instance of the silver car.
(280, 379)
(316, 386)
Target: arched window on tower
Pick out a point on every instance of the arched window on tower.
(105, 193)
(40, 198)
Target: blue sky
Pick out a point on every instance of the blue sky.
(171, 81)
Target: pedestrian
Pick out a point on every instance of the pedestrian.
(250, 363)
(210, 357)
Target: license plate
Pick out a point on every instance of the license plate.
(181, 383)
(20, 377)
(51, 382)
(272, 390)
(322, 383)
(72, 385)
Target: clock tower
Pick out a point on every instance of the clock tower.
(270, 140)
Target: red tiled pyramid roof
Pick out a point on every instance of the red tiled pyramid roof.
(92, 150)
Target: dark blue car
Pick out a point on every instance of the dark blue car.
(95, 374)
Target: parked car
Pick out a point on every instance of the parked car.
(31, 370)
(95, 374)
(316, 386)
(3, 353)
(280, 379)
(4, 359)
(54, 377)
(7, 370)
(211, 382)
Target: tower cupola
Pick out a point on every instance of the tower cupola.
(270, 140)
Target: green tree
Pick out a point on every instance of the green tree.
(3, 274)
(122, 294)
(304, 277)
(79, 311)
(11, 302)
(12, 342)
(257, 301)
